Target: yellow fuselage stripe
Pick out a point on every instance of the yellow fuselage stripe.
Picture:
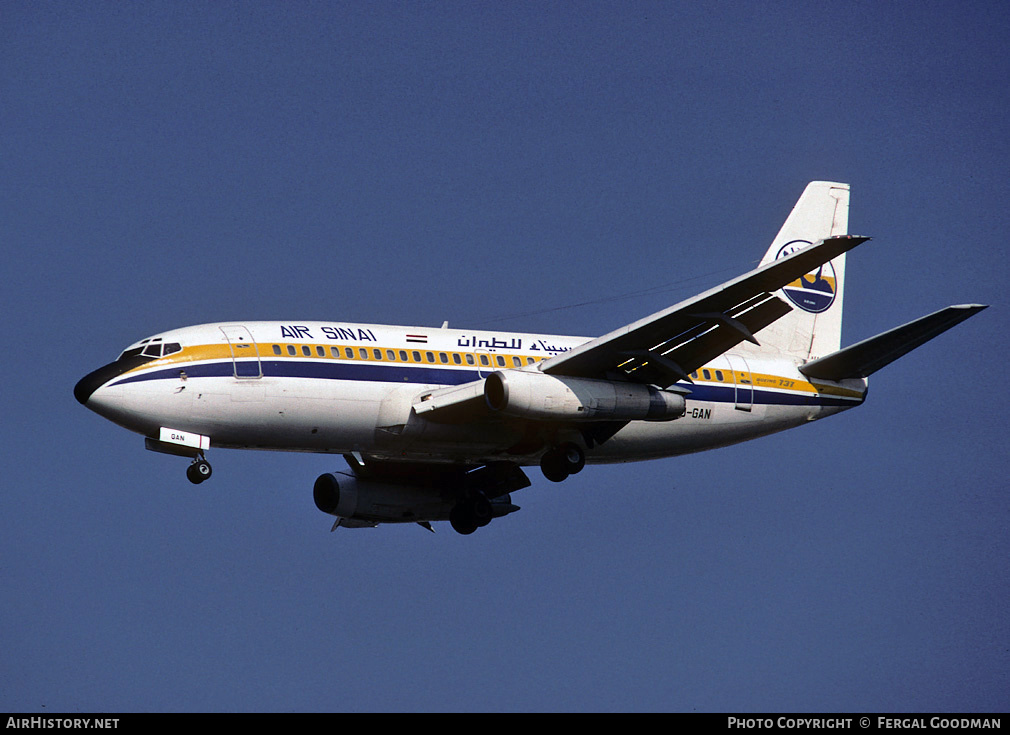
(203, 353)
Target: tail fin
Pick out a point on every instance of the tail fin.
(814, 327)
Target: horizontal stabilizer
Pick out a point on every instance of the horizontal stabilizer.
(866, 357)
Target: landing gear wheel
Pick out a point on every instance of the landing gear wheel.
(199, 471)
(462, 521)
(575, 458)
(480, 509)
(552, 464)
(561, 461)
(471, 513)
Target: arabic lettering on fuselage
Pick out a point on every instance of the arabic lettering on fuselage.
(508, 343)
(494, 343)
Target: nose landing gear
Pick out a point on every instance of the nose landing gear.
(199, 471)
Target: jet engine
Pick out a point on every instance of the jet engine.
(535, 395)
(346, 496)
(360, 502)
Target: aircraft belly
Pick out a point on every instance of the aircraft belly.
(298, 414)
(284, 414)
(705, 425)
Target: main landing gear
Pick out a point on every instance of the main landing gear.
(199, 471)
(561, 461)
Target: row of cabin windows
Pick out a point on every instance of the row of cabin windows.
(455, 358)
(374, 353)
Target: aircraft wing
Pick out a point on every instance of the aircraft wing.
(667, 346)
(670, 344)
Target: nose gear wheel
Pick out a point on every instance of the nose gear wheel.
(199, 471)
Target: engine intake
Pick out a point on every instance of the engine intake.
(535, 395)
(338, 497)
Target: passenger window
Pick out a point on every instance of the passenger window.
(377, 353)
(456, 359)
(706, 374)
(306, 351)
(277, 349)
(363, 353)
(718, 375)
(484, 361)
(500, 360)
(416, 355)
(469, 359)
(694, 375)
(321, 351)
(529, 360)
(291, 349)
(443, 358)
(516, 362)
(335, 351)
(403, 355)
(390, 355)
(429, 356)
(349, 353)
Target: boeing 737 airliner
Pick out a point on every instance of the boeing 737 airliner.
(437, 423)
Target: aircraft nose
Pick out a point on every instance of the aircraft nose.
(92, 382)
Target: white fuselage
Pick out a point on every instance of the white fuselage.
(349, 388)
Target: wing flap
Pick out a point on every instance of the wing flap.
(866, 357)
(713, 321)
(710, 336)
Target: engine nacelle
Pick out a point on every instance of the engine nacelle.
(348, 497)
(535, 395)
(368, 502)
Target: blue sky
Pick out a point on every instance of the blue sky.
(494, 164)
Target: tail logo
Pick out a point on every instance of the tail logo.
(815, 291)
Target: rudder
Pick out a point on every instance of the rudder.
(814, 327)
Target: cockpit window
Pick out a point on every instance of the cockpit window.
(152, 348)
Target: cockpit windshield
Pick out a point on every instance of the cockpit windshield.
(153, 347)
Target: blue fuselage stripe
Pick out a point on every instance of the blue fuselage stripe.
(388, 373)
